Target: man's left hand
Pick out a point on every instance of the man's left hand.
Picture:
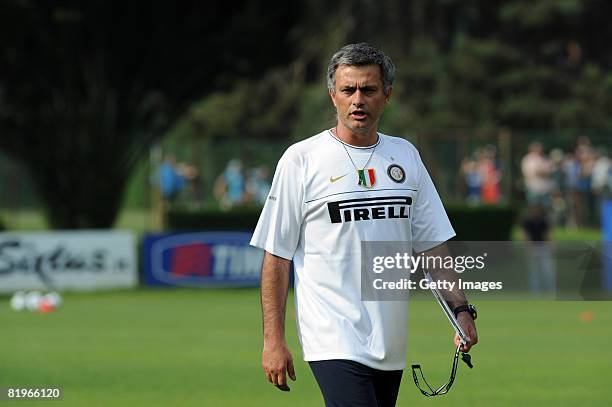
(469, 327)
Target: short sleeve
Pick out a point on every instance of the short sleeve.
(430, 223)
(278, 228)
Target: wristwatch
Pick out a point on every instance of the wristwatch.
(466, 308)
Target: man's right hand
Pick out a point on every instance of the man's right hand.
(277, 362)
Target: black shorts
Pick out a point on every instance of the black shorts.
(345, 383)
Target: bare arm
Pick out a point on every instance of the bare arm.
(455, 297)
(276, 358)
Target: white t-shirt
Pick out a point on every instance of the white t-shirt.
(536, 171)
(318, 215)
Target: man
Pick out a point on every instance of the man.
(331, 192)
(537, 171)
(173, 178)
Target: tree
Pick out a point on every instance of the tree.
(86, 87)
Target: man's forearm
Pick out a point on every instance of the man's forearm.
(455, 297)
(274, 287)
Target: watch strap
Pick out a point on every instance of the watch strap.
(463, 308)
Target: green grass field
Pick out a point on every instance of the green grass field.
(202, 348)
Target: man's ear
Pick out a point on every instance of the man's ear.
(388, 95)
(332, 95)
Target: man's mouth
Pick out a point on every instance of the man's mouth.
(359, 114)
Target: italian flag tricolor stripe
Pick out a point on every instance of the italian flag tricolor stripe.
(367, 178)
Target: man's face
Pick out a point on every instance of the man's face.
(359, 97)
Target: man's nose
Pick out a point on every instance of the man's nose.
(358, 99)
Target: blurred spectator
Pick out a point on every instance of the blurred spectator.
(574, 53)
(537, 171)
(600, 182)
(571, 169)
(601, 169)
(173, 178)
(490, 175)
(473, 179)
(557, 175)
(258, 185)
(230, 186)
(536, 229)
(559, 209)
(586, 160)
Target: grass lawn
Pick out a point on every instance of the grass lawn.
(563, 234)
(202, 348)
(137, 220)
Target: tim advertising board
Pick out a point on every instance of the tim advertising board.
(201, 259)
(67, 260)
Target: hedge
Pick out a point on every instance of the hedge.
(484, 223)
(237, 219)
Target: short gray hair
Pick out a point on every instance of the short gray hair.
(360, 55)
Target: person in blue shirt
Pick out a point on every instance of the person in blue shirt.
(230, 185)
(173, 178)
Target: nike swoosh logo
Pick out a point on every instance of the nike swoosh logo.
(332, 179)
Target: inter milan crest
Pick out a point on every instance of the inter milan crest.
(367, 177)
(396, 173)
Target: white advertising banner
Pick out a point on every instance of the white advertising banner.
(67, 260)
